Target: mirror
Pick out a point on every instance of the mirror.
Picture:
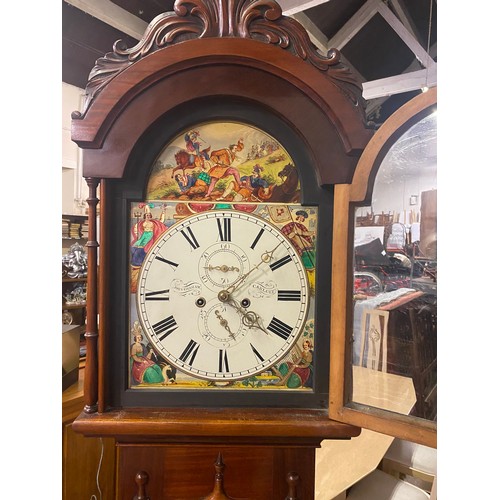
(394, 254)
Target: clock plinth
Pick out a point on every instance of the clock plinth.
(176, 448)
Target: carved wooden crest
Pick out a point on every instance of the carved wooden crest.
(259, 20)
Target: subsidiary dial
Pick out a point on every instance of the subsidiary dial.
(221, 265)
(221, 326)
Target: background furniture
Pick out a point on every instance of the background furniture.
(374, 339)
(379, 485)
(74, 230)
(83, 458)
(404, 458)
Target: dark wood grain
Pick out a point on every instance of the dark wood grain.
(242, 68)
(187, 472)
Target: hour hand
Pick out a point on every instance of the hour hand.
(249, 318)
(253, 320)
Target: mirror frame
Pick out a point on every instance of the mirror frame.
(346, 198)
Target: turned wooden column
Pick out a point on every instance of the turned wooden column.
(91, 334)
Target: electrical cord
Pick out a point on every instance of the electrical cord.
(94, 497)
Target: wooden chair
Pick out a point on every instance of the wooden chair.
(423, 322)
(374, 339)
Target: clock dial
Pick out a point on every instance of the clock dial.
(222, 295)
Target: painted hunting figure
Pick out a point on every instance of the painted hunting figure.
(222, 160)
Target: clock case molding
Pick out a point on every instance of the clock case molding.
(224, 60)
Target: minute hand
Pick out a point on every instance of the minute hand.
(265, 257)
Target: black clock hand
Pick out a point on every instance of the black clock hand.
(222, 268)
(253, 320)
(249, 318)
(223, 322)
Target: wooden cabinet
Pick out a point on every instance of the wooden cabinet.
(174, 472)
(170, 454)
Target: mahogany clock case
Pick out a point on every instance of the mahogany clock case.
(132, 188)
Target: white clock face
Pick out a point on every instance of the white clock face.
(222, 295)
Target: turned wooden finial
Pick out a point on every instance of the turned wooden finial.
(141, 479)
(292, 479)
(218, 492)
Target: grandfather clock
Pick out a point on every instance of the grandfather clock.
(211, 149)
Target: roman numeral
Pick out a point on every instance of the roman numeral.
(190, 238)
(166, 261)
(165, 327)
(190, 352)
(159, 295)
(257, 353)
(257, 238)
(223, 363)
(224, 226)
(279, 328)
(289, 295)
(284, 260)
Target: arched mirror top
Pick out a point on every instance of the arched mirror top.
(405, 143)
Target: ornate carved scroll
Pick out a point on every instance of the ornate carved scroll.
(260, 20)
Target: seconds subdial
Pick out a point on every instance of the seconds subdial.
(221, 326)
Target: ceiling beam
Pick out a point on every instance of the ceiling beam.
(120, 19)
(354, 25)
(372, 91)
(404, 16)
(109, 13)
(398, 84)
(420, 53)
(290, 7)
(317, 37)
(363, 16)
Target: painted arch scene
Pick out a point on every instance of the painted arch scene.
(224, 161)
